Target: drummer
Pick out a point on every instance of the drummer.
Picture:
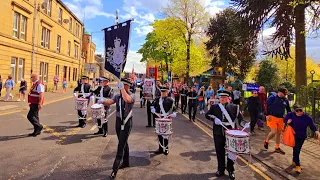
(227, 118)
(104, 91)
(84, 92)
(162, 107)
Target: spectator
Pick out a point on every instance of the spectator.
(236, 96)
(23, 90)
(9, 85)
(0, 85)
(64, 85)
(201, 96)
(254, 109)
(213, 100)
(229, 89)
(55, 83)
(209, 93)
(300, 121)
(263, 97)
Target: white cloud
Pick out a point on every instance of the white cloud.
(148, 17)
(148, 5)
(143, 30)
(133, 59)
(214, 7)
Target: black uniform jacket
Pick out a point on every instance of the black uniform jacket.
(168, 104)
(192, 94)
(216, 111)
(86, 89)
(107, 92)
(184, 91)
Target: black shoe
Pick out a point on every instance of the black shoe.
(113, 175)
(219, 173)
(105, 134)
(38, 131)
(148, 126)
(166, 152)
(280, 151)
(99, 132)
(193, 120)
(159, 151)
(79, 125)
(31, 134)
(231, 175)
(83, 126)
(266, 145)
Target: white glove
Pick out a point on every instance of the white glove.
(120, 85)
(153, 110)
(246, 126)
(174, 114)
(100, 101)
(74, 94)
(232, 156)
(217, 121)
(92, 98)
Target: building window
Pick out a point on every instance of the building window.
(69, 47)
(43, 73)
(58, 43)
(65, 68)
(57, 70)
(76, 47)
(75, 74)
(60, 16)
(46, 7)
(21, 69)
(13, 67)
(69, 74)
(77, 30)
(70, 25)
(19, 26)
(45, 38)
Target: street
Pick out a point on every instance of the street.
(63, 151)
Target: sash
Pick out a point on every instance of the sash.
(163, 112)
(226, 114)
(101, 91)
(127, 118)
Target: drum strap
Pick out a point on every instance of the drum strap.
(127, 118)
(226, 114)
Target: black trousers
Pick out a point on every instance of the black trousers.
(149, 114)
(82, 121)
(176, 100)
(142, 102)
(192, 109)
(183, 104)
(104, 126)
(254, 116)
(164, 143)
(122, 156)
(33, 116)
(219, 143)
(236, 101)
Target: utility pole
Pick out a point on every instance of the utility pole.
(34, 35)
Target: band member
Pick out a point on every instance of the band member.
(35, 100)
(176, 94)
(84, 92)
(102, 92)
(142, 99)
(163, 106)
(157, 95)
(124, 104)
(184, 93)
(192, 95)
(225, 114)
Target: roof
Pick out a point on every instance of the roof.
(63, 5)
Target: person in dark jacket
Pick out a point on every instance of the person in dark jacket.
(192, 104)
(219, 118)
(300, 121)
(184, 98)
(276, 106)
(254, 108)
(84, 92)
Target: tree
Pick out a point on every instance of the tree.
(268, 74)
(232, 47)
(285, 15)
(192, 18)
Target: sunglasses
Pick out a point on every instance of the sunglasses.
(298, 110)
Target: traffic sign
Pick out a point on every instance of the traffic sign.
(90, 67)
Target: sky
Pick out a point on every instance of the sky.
(99, 14)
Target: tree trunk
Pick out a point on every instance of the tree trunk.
(301, 68)
(188, 58)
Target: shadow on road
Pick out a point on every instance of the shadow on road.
(191, 176)
(8, 138)
(204, 156)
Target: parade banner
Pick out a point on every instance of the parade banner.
(116, 47)
(148, 87)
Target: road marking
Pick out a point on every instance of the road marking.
(7, 107)
(23, 109)
(51, 131)
(95, 126)
(54, 167)
(243, 160)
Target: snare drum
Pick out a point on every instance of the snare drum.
(81, 104)
(237, 141)
(98, 111)
(163, 126)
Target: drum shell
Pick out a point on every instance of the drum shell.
(239, 144)
(81, 104)
(98, 113)
(163, 126)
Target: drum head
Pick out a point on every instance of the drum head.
(96, 106)
(235, 132)
(82, 99)
(163, 119)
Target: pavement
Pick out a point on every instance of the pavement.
(281, 164)
(65, 152)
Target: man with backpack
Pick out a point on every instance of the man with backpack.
(276, 106)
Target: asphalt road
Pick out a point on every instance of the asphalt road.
(65, 152)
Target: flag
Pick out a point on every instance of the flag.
(116, 47)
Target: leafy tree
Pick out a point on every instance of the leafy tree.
(192, 18)
(232, 47)
(285, 15)
(268, 74)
